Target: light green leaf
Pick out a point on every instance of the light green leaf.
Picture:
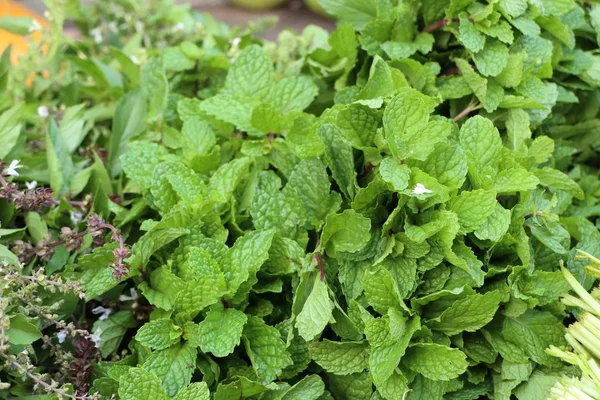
(492, 59)
(556, 180)
(245, 257)
(158, 334)
(345, 232)
(139, 384)
(339, 158)
(221, 330)
(129, 121)
(496, 224)
(316, 312)
(265, 348)
(21, 331)
(435, 361)
(473, 208)
(381, 290)
(467, 314)
(251, 75)
(340, 358)
(173, 366)
(196, 391)
(395, 173)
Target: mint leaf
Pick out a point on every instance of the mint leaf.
(221, 330)
(473, 208)
(435, 361)
(316, 312)
(345, 232)
(381, 290)
(196, 391)
(173, 366)
(139, 384)
(251, 74)
(340, 358)
(468, 314)
(158, 334)
(265, 348)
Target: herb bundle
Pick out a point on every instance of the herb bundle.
(379, 212)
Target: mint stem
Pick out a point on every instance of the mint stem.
(466, 111)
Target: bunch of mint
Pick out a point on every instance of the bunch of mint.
(379, 212)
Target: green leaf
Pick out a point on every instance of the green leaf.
(112, 331)
(293, 93)
(10, 129)
(435, 361)
(495, 226)
(129, 121)
(389, 338)
(534, 331)
(448, 164)
(251, 75)
(204, 282)
(196, 391)
(381, 290)
(469, 36)
(492, 59)
(515, 180)
(139, 384)
(358, 124)
(140, 161)
(316, 312)
(158, 334)
(173, 366)
(355, 12)
(21, 331)
(345, 232)
(60, 164)
(557, 180)
(265, 348)
(310, 182)
(340, 358)
(245, 258)
(227, 177)
(311, 387)
(394, 173)
(404, 118)
(473, 208)
(339, 158)
(467, 314)
(220, 332)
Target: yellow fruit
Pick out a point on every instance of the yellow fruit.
(258, 4)
(20, 44)
(317, 8)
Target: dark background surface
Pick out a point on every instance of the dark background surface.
(293, 15)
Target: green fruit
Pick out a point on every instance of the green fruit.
(258, 4)
(317, 8)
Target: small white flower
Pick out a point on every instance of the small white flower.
(35, 26)
(113, 26)
(421, 189)
(43, 112)
(61, 336)
(179, 27)
(97, 35)
(132, 297)
(31, 185)
(12, 168)
(76, 217)
(236, 42)
(104, 312)
(135, 60)
(95, 337)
